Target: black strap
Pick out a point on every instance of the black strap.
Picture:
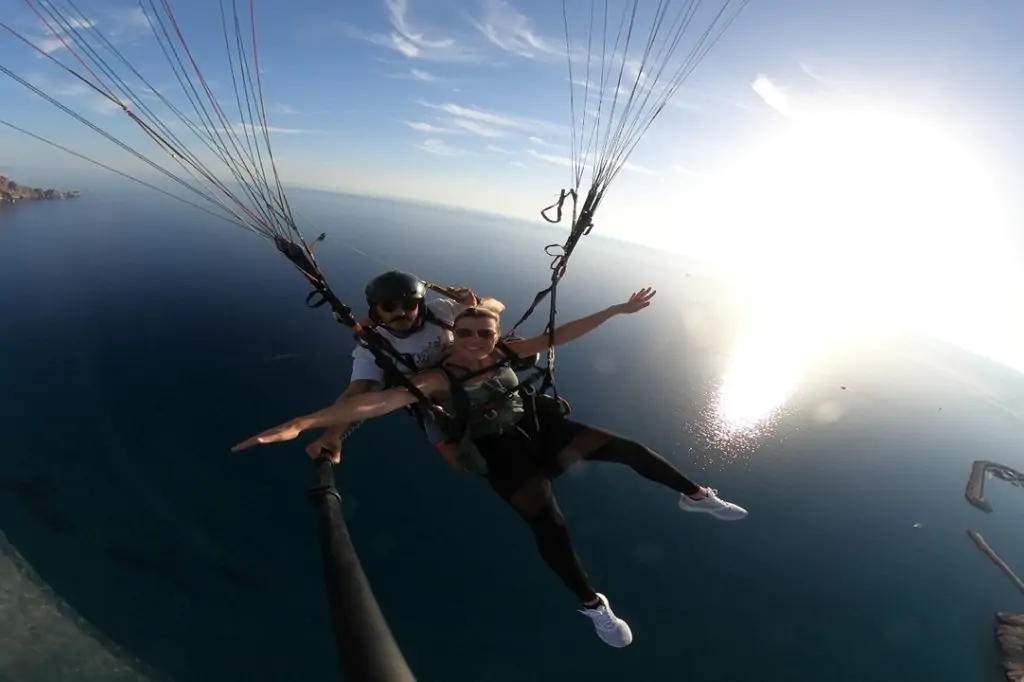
(464, 413)
(582, 224)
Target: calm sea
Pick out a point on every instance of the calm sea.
(140, 339)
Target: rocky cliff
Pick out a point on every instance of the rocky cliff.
(11, 192)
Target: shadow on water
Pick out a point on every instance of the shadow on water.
(36, 496)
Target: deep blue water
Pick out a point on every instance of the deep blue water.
(139, 340)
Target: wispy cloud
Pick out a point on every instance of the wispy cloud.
(137, 17)
(284, 109)
(507, 28)
(539, 141)
(249, 129)
(412, 41)
(771, 94)
(117, 25)
(423, 76)
(498, 150)
(495, 119)
(424, 127)
(830, 84)
(441, 148)
(456, 126)
(477, 128)
(610, 91)
(704, 103)
(419, 75)
(553, 159)
(636, 168)
(75, 90)
(59, 36)
(49, 45)
(566, 162)
(291, 131)
(103, 106)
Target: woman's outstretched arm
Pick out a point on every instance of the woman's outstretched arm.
(577, 328)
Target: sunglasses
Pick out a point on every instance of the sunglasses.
(407, 305)
(486, 333)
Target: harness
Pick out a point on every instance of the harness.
(416, 410)
(455, 426)
(534, 403)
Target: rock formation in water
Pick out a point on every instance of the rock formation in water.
(981, 469)
(11, 192)
(1010, 635)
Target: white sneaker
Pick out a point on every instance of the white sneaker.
(612, 630)
(714, 505)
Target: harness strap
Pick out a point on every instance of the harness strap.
(415, 410)
(525, 388)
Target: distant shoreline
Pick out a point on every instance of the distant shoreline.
(13, 193)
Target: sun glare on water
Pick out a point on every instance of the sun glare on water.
(849, 220)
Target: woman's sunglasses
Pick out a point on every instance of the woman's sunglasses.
(392, 306)
(485, 333)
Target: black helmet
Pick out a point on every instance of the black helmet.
(393, 287)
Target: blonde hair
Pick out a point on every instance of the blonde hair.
(479, 312)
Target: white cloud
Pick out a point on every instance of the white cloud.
(513, 32)
(551, 158)
(420, 75)
(456, 126)
(424, 76)
(77, 24)
(772, 95)
(284, 110)
(77, 90)
(477, 128)
(425, 127)
(412, 41)
(257, 130)
(496, 119)
(117, 27)
(50, 45)
(541, 142)
(566, 162)
(439, 147)
(499, 150)
(73, 89)
(294, 131)
(634, 168)
(60, 35)
(592, 92)
(699, 102)
(102, 105)
(137, 17)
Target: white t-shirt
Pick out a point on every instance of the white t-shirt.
(425, 347)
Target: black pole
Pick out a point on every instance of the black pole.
(366, 647)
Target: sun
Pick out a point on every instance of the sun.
(852, 219)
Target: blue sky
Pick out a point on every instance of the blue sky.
(811, 128)
(427, 98)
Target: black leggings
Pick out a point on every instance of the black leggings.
(522, 464)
